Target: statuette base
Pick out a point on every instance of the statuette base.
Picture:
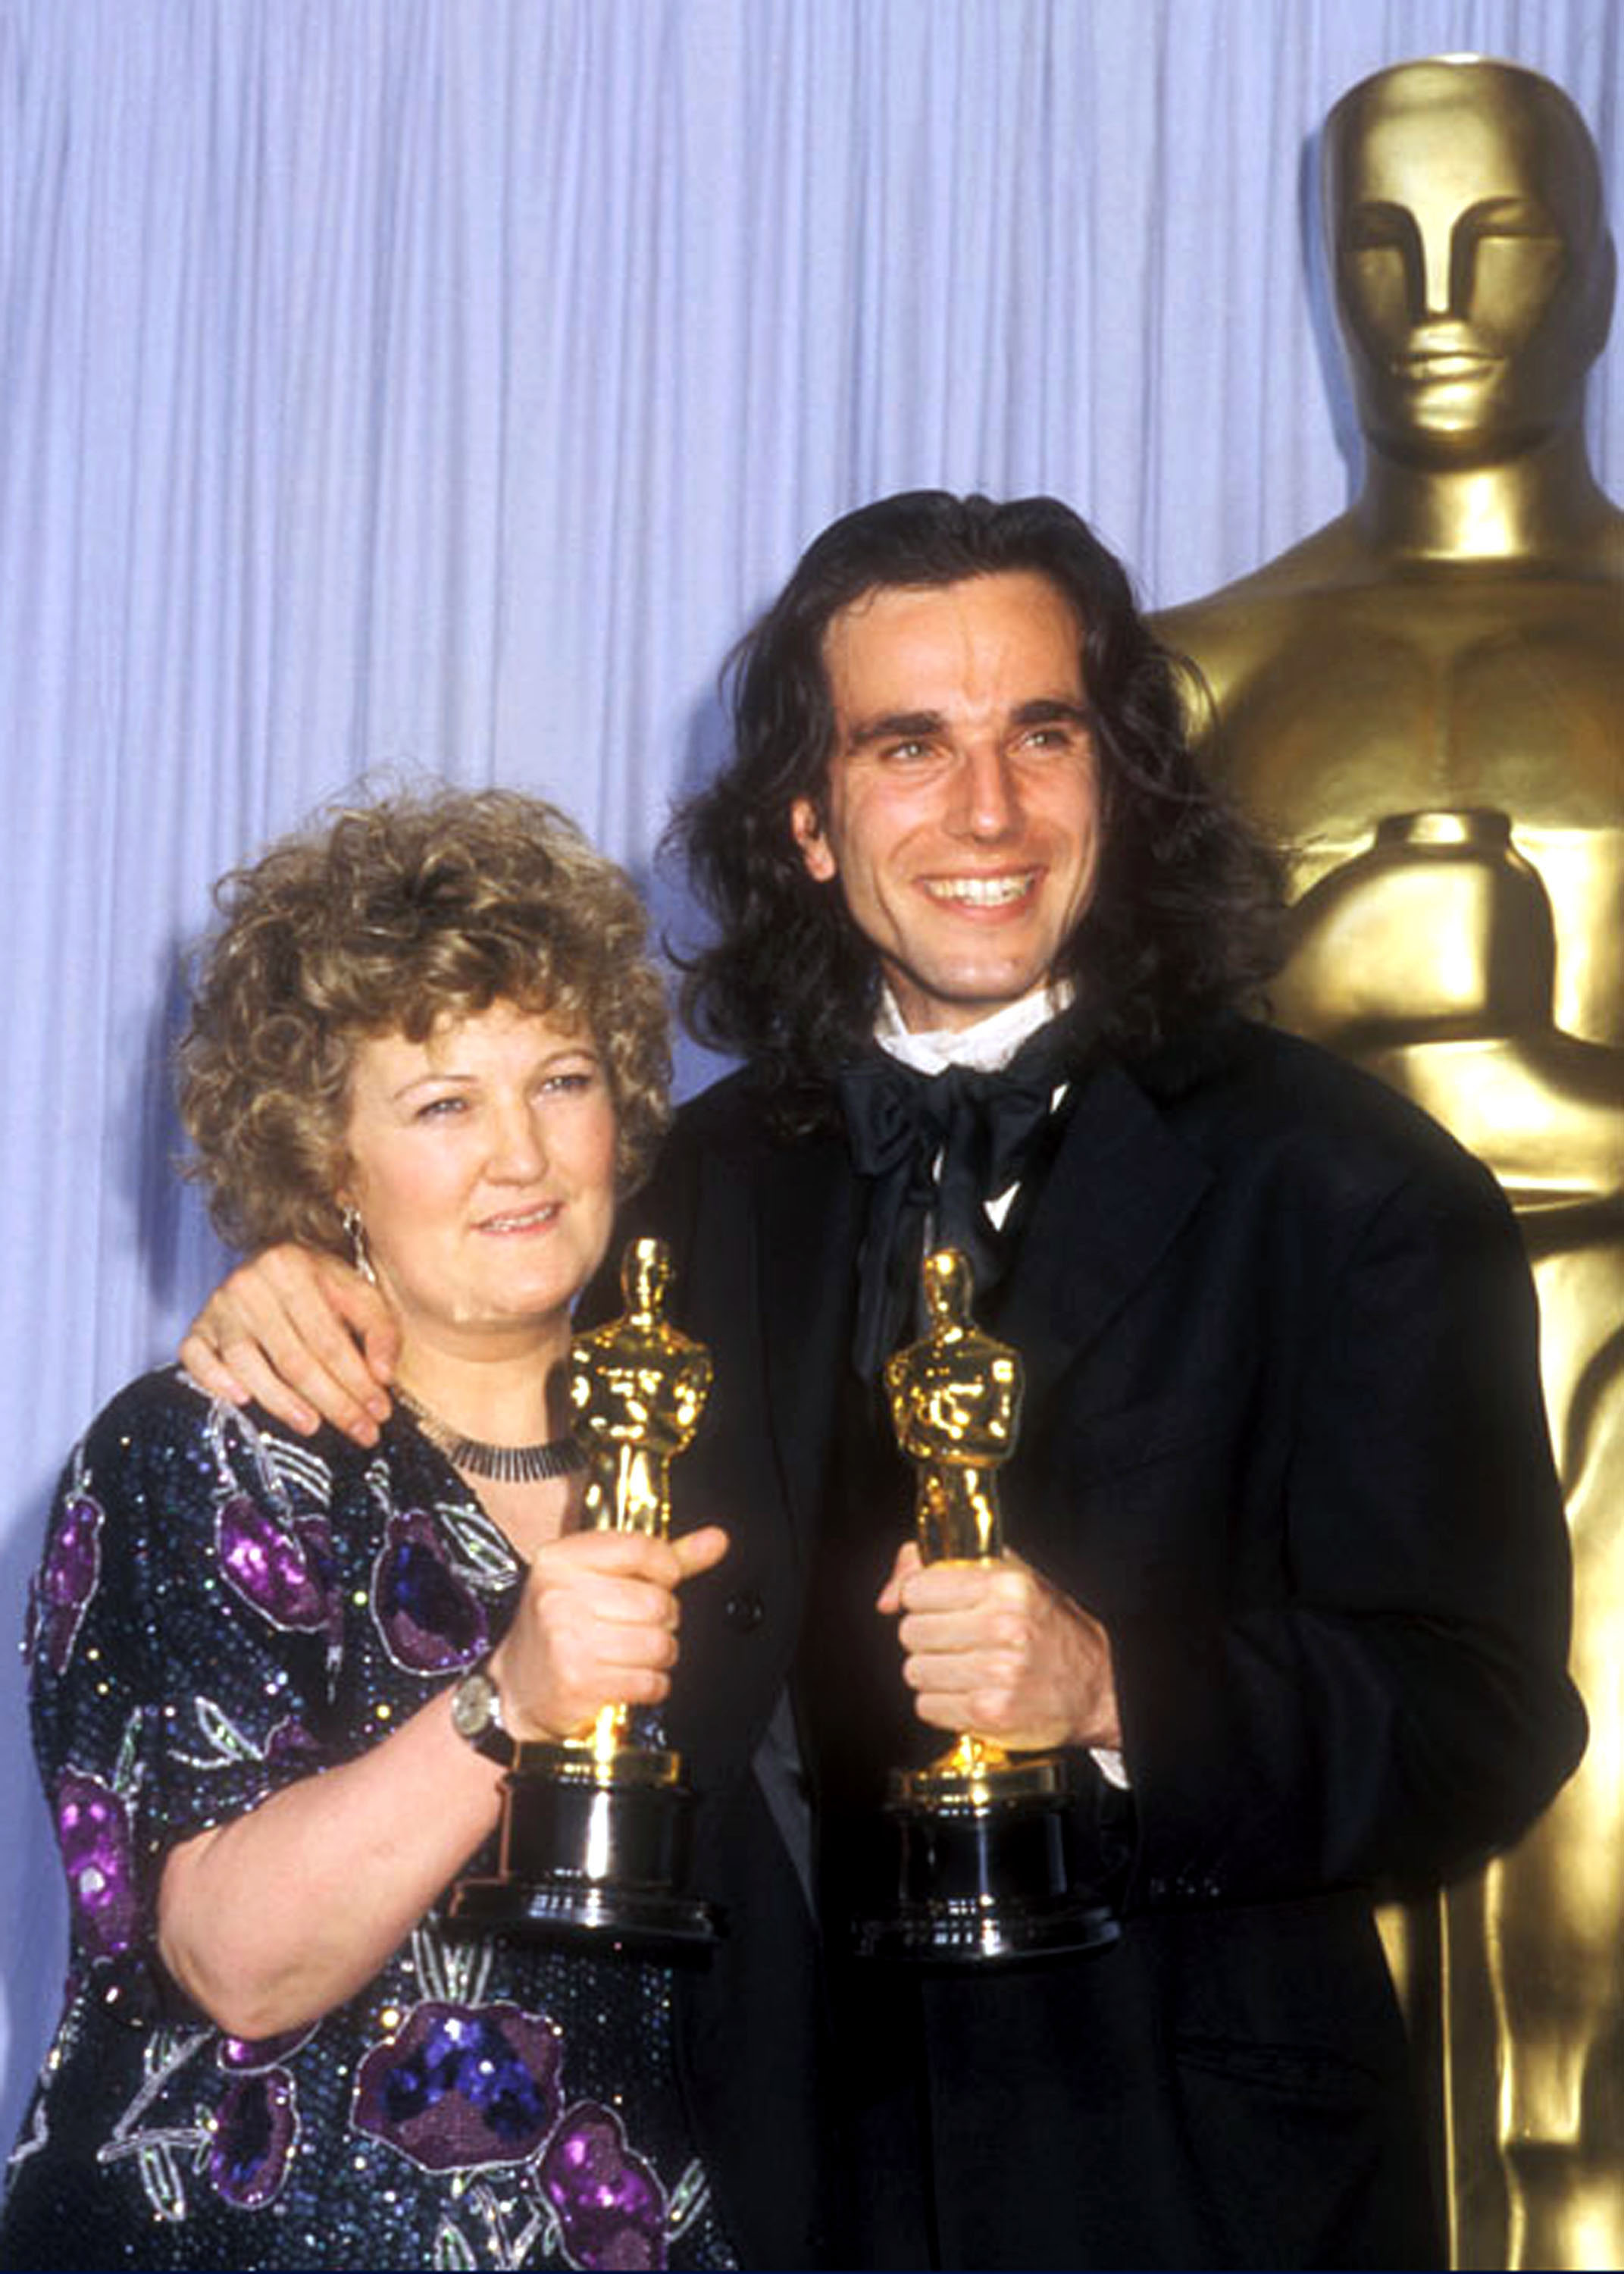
(984, 1879)
(597, 1853)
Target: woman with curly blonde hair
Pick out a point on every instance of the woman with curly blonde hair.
(425, 1037)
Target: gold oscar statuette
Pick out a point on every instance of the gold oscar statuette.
(595, 1827)
(985, 1868)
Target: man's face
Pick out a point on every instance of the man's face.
(1472, 280)
(961, 817)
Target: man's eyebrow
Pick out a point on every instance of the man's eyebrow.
(1048, 710)
(893, 726)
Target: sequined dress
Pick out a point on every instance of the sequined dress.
(220, 1611)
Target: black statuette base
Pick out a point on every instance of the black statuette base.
(591, 1859)
(978, 1883)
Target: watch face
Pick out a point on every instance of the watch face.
(474, 1706)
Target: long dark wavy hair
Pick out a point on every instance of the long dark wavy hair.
(1185, 919)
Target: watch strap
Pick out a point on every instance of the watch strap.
(476, 1715)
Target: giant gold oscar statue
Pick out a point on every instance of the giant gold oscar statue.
(1425, 700)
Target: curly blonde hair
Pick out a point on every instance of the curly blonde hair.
(387, 918)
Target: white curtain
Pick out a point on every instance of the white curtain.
(442, 384)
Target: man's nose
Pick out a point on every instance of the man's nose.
(987, 801)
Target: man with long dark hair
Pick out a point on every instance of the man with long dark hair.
(1181, 919)
(1287, 1589)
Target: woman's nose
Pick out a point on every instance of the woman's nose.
(518, 1145)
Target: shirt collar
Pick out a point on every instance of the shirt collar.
(987, 1047)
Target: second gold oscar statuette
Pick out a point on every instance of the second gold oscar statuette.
(984, 1863)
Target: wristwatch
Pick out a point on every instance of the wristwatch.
(476, 1715)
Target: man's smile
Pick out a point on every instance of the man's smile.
(982, 892)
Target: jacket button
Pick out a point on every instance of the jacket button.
(743, 1611)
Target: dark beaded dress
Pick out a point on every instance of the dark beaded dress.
(221, 1610)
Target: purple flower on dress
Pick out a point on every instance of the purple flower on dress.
(255, 2126)
(64, 1583)
(93, 1831)
(249, 2056)
(610, 2205)
(462, 2087)
(290, 1740)
(286, 1577)
(430, 1619)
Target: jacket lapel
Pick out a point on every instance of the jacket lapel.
(1118, 1190)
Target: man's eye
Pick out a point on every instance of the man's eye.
(908, 753)
(1056, 738)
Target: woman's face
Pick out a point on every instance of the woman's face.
(482, 1163)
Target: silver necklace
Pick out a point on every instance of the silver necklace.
(507, 1464)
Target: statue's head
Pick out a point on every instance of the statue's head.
(946, 1278)
(1468, 245)
(645, 1276)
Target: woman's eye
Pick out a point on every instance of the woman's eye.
(440, 1109)
(568, 1083)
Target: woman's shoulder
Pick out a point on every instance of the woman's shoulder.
(156, 1413)
(162, 1440)
(166, 1411)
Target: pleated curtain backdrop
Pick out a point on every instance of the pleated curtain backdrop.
(442, 384)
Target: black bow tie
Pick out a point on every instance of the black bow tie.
(985, 1127)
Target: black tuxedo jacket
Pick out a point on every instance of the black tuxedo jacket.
(1283, 1435)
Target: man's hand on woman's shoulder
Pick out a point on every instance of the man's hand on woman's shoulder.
(302, 1334)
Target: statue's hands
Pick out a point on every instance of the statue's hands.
(994, 1648)
(302, 1333)
(596, 1626)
